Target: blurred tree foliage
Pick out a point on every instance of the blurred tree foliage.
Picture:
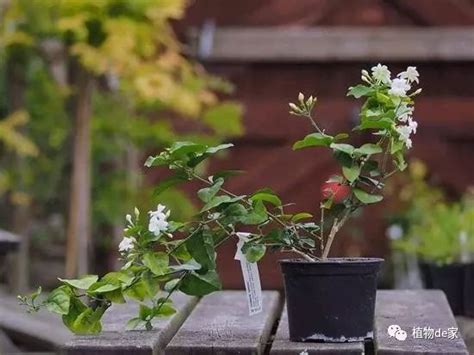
(123, 58)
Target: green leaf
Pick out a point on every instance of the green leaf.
(150, 283)
(111, 284)
(103, 287)
(169, 182)
(159, 160)
(233, 214)
(59, 300)
(170, 285)
(313, 140)
(83, 283)
(367, 198)
(359, 90)
(343, 158)
(351, 173)
(75, 309)
(266, 195)
(383, 123)
(201, 247)
(256, 215)
(180, 252)
(340, 136)
(133, 323)
(195, 284)
(157, 262)
(369, 149)
(88, 322)
(399, 161)
(199, 157)
(115, 296)
(370, 165)
(181, 149)
(144, 312)
(343, 147)
(225, 119)
(218, 148)
(396, 145)
(138, 290)
(253, 252)
(165, 310)
(302, 215)
(278, 236)
(207, 193)
(219, 200)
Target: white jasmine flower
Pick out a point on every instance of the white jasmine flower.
(404, 113)
(158, 220)
(405, 117)
(381, 73)
(128, 217)
(412, 124)
(405, 132)
(126, 244)
(399, 87)
(411, 75)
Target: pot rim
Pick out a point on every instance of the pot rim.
(334, 261)
(452, 264)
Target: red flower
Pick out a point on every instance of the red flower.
(336, 190)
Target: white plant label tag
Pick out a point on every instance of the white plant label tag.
(251, 276)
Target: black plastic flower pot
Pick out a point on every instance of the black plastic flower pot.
(448, 278)
(469, 290)
(331, 300)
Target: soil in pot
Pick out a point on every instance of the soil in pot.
(331, 300)
(448, 278)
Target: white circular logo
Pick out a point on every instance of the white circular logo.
(395, 331)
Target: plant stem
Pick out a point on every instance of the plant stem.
(321, 228)
(175, 287)
(313, 122)
(270, 215)
(337, 225)
(275, 218)
(184, 240)
(304, 255)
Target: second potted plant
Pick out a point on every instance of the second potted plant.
(328, 299)
(442, 237)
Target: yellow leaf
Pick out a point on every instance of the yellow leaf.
(13, 139)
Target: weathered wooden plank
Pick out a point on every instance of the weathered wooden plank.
(115, 339)
(466, 327)
(6, 345)
(42, 330)
(283, 346)
(316, 44)
(412, 310)
(220, 324)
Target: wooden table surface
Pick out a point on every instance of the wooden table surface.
(219, 324)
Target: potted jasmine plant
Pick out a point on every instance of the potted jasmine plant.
(161, 254)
